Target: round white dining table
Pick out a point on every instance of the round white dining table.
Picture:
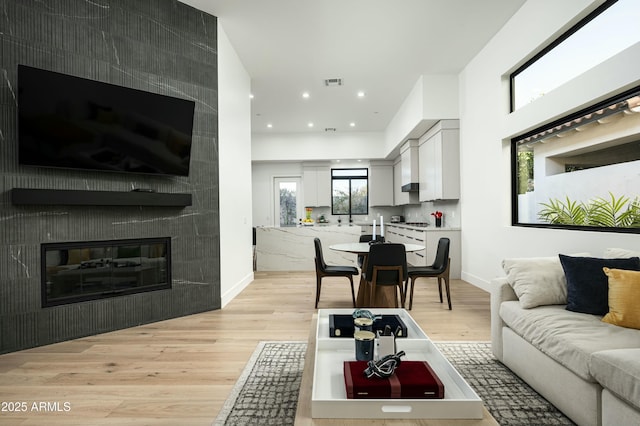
(383, 298)
(363, 248)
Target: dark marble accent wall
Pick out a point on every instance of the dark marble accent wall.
(160, 46)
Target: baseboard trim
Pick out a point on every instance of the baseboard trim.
(476, 281)
(236, 289)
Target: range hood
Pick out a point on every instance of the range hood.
(410, 187)
(409, 163)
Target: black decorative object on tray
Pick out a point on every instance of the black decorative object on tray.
(384, 367)
(342, 325)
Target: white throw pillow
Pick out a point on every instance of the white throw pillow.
(537, 281)
(619, 253)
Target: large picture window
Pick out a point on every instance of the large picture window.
(349, 192)
(581, 172)
(609, 30)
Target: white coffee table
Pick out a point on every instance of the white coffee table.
(327, 397)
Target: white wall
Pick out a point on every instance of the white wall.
(262, 175)
(234, 134)
(317, 146)
(432, 98)
(486, 128)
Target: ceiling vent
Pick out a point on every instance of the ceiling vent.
(333, 82)
(329, 129)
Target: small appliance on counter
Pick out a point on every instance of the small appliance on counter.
(397, 219)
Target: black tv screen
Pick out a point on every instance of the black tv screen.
(72, 122)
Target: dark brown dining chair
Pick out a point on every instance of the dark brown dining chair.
(439, 269)
(324, 270)
(386, 266)
(364, 238)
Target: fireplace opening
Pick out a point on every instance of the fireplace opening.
(81, 271)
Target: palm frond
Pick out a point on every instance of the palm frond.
(606, 212)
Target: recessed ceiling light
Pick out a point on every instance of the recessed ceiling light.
(269, 125)
(361, 94)
(305, 95)
(352, 124)
(309, 124)
(250, 95)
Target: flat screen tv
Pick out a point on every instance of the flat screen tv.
(76, 123)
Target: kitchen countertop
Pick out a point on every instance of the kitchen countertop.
(292, 249)
(429, 228)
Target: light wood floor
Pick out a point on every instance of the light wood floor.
(180, 371)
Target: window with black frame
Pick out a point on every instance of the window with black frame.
(349, 191)
(581, 172)
(607, 31)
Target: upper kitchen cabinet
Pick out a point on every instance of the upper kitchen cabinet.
(317, 186)
(406, 174)
(439, 158)
(381, 184)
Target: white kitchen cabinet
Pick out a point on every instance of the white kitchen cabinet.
(439, 159)
(317, 186)
(368, 229)
(402, 235)
(410, 162)
(429, 238)
(401, 198)
(381, 185)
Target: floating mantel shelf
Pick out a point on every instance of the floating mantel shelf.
(26, 196)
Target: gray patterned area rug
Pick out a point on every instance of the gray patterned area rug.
(267, 391)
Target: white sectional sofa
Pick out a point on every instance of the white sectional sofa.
(586, 367)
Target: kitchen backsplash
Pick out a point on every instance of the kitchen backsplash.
(422, 213)
(411, 213)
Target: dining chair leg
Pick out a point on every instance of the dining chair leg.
(404, 293)
(372, 287)
(372, 292)
(446, 283)
(411, 293)
(353, 293)
(395, 297)
(440, 288)
(318, 285)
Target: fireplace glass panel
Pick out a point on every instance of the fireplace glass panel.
(75, 272)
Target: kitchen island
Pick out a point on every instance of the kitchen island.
(291, 248)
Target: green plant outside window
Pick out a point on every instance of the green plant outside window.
(581, 172)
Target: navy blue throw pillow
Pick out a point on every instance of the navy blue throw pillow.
(587, 284)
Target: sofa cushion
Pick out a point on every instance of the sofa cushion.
(620, 253)
(537, 281)
(619, 371)
(587, 285)
(567, 337)
(624, 298)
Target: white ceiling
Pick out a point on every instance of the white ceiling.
(380, 47)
